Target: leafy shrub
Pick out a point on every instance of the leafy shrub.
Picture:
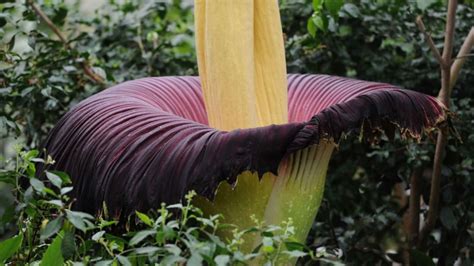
(49, 232)
(373, 40)
(379, 40)
(42, 78)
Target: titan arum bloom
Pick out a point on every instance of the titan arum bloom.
(244, 135)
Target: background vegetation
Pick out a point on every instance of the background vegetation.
(360, 221)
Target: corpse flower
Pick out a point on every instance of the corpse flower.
(249, 139)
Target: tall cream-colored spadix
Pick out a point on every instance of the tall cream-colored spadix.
(241, 59)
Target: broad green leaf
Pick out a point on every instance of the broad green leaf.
(140, 236)
(9, 247)
(51, 228)
(333, 6)
(53, 255)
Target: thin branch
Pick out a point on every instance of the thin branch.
(461, 58)
(414, 209)
(429, 40)
(449, 37)
(441, 142)
(48, 22)
(88, 70)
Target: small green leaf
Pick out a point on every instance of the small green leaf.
(311, 27)
(447, 217)
(124, 260)
(294, 246)
(58, 203)
(51, 228)
(318, 20)
(352, 10)
(66, 190)
(55, 179)
(424, 4)
(104, 263)
(421, 259)
(64, 177)
(222, 260)
(296, 253)
(97, 236)
(37, 184)
(173, 249)
(78, 219)
(318, 4)
(140, 236)
(333, 6)
(68, 246)
(345, 30)
(144, 218)
(30, 155)
(147, 250)
(53, 255)
(267, 245)
(9, 247)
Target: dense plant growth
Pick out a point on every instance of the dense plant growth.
(42, 78)
(46, 231)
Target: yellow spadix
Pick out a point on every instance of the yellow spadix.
(241, 60)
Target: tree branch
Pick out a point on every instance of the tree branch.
(88, 70)
(443, 96)
(414, 209)
(429, 40)
(461, 58)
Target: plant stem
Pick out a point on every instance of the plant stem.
(414, 209)
(85, 65)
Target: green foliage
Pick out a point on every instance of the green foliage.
(379, 41)
(9, 247)
(375, 40)
(40, 79)
(51, 233)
